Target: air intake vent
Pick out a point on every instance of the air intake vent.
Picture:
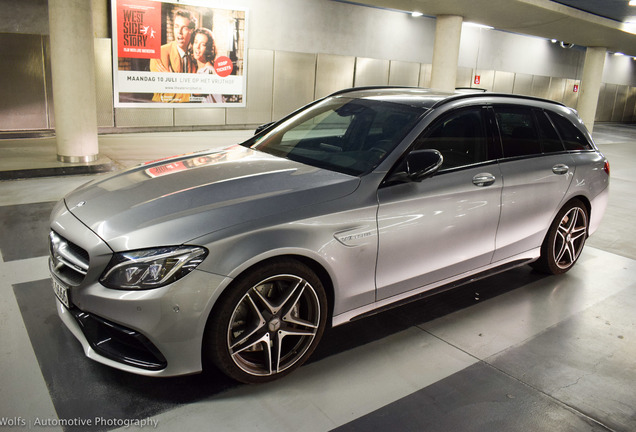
(68, 261)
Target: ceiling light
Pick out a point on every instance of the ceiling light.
(416, 14)
(619, 54)
(632, 2)
(553, 40)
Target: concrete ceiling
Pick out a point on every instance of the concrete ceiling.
(599, 23)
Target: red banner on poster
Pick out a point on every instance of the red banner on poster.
(139, 29)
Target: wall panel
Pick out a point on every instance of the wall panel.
(486, 79)
(609, 99)
(630, 104)
(333, 73)
(556, 89)
(48, 82)
(23, 96)
(143, 117)
(404, 73)
(371, 72)
(294, 77)
(619, 104)
(571, 97)
(199, 117)
(523, 84)
(540, 86)
(260, 88)
(504, 82)
(425, 75)
(464, 77)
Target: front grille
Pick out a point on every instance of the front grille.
(69, 262)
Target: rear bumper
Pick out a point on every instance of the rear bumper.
(599, 205)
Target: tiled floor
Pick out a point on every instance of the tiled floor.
(517, 351)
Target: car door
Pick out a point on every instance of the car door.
(537, 172)
(444, 225)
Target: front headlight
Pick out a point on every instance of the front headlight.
(151, 268)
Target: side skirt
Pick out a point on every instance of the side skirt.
(393, 303)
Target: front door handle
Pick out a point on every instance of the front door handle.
(560, 169)
(484, 179)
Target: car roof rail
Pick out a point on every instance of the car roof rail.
(462, 93)
(378, 87)
(471, 95)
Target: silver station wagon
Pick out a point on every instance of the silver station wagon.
(360, 201)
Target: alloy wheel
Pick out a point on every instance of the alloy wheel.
(273, 325)
(570, 237)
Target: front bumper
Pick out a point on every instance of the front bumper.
(156, 332)
(153, 333)
(119, 343)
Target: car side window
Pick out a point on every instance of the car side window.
(572, 137)
(517, 130)
(550, 141)
(460, 137)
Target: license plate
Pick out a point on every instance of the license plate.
(61, 292)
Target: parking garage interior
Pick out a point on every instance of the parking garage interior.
(516, 351)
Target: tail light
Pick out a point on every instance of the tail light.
(606, 167)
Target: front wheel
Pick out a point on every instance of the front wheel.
(269, 322)
(565, 240)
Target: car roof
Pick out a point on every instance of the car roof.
(430, 98)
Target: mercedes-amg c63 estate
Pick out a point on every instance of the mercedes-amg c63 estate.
(360, 201)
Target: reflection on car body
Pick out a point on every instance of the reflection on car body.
(360, 201)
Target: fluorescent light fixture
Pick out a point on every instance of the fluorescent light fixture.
(632, 2)
(553, 40)
(619, 54)
(416, 14)
(481, 26)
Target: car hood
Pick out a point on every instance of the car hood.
(173, 201)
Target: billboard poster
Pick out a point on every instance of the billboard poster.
(187, 53)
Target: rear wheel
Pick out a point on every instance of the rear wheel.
(565, 240)
(269, 322)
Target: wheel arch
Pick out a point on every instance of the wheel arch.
(586, 202)
(320, 271)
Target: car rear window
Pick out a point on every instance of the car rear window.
(572, 137)
(517, 130)
(550, 141)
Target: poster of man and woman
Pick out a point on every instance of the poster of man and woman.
(177, 53)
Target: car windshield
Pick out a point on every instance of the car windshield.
(350, 136)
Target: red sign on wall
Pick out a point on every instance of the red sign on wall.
(477, 79)
(576, 88)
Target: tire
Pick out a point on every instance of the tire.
(268, 323)
(565, 239)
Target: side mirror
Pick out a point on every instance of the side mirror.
(422, 164)
(262, 127)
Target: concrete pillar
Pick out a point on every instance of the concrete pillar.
(591, 85)
(73, 76)
(448, 31)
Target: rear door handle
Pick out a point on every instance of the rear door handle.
(484, 179)
(560, 169)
